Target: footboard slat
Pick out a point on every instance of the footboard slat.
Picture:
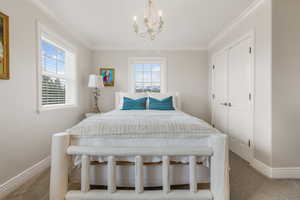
(85, 183)
(139, 174)
(166, 174)
(193, 180)
(111, 174)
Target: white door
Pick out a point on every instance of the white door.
(219, 85)
(239, 98)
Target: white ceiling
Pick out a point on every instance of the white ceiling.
(107, 24)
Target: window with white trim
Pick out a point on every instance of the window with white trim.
(148, 74)
(57, 73)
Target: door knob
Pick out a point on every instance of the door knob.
(224, 104)
(229, 104)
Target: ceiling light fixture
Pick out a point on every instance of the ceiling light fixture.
(153, 22)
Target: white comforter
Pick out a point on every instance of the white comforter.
(143, 124)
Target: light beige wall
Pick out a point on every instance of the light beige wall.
(286, 83)
(260, 22)
(187, 73)
(24, 134)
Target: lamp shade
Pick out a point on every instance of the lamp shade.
(95, 81)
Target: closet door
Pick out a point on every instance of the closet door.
(219, 85)
(239, 98)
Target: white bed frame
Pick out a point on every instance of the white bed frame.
(62, 152)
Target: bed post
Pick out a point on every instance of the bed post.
(219, 173)
(59, 166)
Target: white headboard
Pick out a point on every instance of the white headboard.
(118, 96)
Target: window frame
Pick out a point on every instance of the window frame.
(54, 39)
(147, 60)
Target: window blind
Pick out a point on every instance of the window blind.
(53, 91)
(57, 74)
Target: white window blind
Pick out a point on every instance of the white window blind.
(57, 74)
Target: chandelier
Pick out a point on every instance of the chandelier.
(153, 22)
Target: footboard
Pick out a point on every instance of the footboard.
(59, 173)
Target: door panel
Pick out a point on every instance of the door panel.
(239, 88)
(220, 81)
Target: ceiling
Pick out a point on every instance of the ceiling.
(107, 24)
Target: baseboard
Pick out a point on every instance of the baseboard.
(276, 173)
(262, 168)
(15, 182)
(286, 173)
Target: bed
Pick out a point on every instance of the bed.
(141, 148)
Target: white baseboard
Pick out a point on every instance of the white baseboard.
(15, 182)
(276, 173)
(286, 173)
(262, 168)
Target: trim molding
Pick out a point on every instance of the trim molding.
(54, 17)
(100, 48)
(262, 168)
(286, 173)
(256, 4)
(15, 182)
(276, 173)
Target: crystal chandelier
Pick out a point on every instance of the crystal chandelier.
(153, 22)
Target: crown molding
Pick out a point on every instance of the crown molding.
(100, 48)
(54, 17)
(248, 11)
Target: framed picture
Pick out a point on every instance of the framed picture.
(108, 75)
(4, 47)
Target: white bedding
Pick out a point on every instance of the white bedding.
(143, 124)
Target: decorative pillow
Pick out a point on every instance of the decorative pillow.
(134, 104)
(164, 104)
(161, 96)
(120, 97)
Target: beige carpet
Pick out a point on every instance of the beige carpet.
(246, 184)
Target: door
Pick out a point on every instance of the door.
(232, 96)
(219, 96)
(239, 98)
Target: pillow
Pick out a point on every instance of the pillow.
(120, 97)
(161, 96)
(164, 104)
(134, 104)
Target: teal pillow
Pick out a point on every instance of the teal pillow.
(164, 104)
(134, 104)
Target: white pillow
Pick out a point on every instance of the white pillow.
(129, 95)
(161, 96)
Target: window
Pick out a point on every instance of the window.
(147, 75)
(57, 82)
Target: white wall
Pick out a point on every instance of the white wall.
(286, 82)
(260, 22)
(24, 134)
(187, 73)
